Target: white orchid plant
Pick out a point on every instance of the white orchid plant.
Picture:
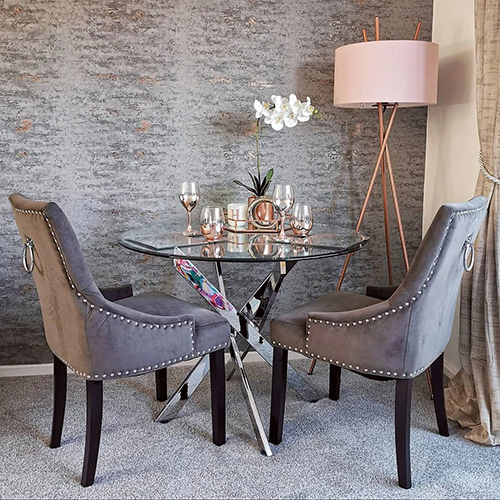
(280, 112)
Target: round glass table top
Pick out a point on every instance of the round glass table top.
(323, 241)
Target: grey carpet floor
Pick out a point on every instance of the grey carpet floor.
(341, 449)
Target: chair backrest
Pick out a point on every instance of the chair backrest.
(432, 284)
(60, 273)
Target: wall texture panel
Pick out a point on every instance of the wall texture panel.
(106, 106)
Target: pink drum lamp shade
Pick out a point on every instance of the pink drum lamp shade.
(388, 71)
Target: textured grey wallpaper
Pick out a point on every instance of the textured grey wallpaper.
(106, 106)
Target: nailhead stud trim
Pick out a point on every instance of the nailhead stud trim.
(108, 313)
(400, 307)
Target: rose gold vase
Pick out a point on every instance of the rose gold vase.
(264, 212)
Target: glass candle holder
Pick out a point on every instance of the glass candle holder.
(237, 212)
(212, 223)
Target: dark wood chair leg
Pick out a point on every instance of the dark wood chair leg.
(93, 435)
(60, 383)
(403, 412)
(161, 384)
(218, 389)
(334, 392)
(278, 395)
(437, 369)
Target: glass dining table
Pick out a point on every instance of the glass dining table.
(246, 323)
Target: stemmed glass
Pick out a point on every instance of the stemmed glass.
(189, 196)
(283, 199)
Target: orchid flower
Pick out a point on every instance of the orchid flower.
(279, 112)
(306, 111)
(262, 109)
(277, 121)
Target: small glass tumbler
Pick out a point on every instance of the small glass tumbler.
(302, 219)
(212, 223)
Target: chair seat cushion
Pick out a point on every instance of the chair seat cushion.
(212, 331)
(289, 330)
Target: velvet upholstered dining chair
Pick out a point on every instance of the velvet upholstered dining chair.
(387, 336)
(105, 334)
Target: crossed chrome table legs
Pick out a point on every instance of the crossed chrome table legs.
(246, 326)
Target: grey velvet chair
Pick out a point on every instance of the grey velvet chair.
(104, 334)
(393, 334)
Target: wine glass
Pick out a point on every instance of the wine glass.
(212, 223)
(302, 219)
(189, 196)
(283, 199)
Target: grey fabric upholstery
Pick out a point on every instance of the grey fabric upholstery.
(96, 336)
(402, 335)
(211, 329)
(288, 330)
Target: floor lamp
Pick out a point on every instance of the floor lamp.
(380, 75)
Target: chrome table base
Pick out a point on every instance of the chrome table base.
(246, 326)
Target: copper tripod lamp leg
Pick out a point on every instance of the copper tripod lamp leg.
(384, 196)
(370, 188)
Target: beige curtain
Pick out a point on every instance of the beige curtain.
(473, 397)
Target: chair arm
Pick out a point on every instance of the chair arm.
(117, 292)
(124, 342)
(382, 292)
(368, 340)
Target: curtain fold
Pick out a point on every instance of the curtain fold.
(473, 396)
